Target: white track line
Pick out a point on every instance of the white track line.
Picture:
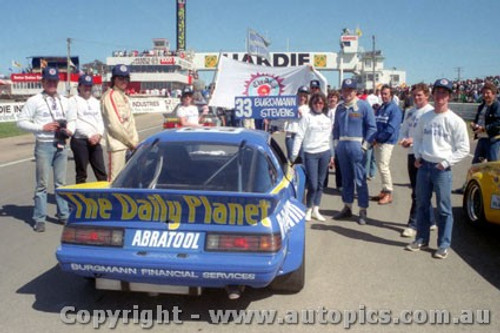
(17, 162)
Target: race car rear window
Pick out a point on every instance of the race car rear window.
(198, 166)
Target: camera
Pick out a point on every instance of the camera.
(61, 134)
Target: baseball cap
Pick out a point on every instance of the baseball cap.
(443, 83)
(303, 90)
(187, 91)
(349, 84)
(85, 80)
(314, 84)
(50, 73)
(120, 70)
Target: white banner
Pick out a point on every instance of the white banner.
(153, 104)
(10, 111)
(235, 79)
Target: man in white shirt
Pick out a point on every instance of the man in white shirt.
(440, 141)
(421, 95)
(48, 116)
(373, 99)
(86, 142)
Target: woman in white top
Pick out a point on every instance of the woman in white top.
(188, 112)
(314, 135)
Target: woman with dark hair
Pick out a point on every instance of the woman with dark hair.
(315, 136)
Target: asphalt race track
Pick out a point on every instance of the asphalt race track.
(356, 276)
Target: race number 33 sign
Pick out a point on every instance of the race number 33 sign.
(267, 107)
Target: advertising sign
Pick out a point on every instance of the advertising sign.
(266, 107)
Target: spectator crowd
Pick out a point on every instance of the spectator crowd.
(350, 131)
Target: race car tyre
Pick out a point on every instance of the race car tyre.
(292, 282)
(473, 204)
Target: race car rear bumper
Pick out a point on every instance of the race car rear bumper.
(212, 269)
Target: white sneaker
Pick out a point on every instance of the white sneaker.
(316, 214)
(409, 232)
(308, 214)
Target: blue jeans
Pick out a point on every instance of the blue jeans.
(412, 173)
(352, 162)
(494, 151)
(371, 164)
(48, 156)
(482, 150)
(430, 178)
(486, 149)
(316, 168)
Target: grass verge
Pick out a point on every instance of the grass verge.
(10, 129)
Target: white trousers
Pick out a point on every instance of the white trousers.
(116, 162)
(383, 153)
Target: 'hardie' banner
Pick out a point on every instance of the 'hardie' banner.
(235, 79)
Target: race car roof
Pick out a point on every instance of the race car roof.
(229, 135)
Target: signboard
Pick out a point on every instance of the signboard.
(153, 104)
(181, 25)
(320, 60)
(257, 44)
(266, 107)
(152, 61)
(10, 111)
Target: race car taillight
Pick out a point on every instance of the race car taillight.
(243, 242)
(92, 236)
(168, 125)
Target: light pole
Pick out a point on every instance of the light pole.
(373, 62)
(68, 68)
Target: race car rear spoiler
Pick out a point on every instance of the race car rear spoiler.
(99, 202)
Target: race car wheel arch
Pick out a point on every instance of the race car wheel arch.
(473, 204)
(292, 282)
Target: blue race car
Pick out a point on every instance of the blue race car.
(193, 208)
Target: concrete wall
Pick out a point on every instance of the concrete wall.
(466, 110)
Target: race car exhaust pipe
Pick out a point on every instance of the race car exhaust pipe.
(234, 292)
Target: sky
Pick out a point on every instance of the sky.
(428, 39)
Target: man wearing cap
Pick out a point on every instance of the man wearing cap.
(388, 120)
(292, 125)
(353, 130)
(49, 116)
(440, 141)
(315, 86)
(188, 112)
(86, 142)
(119, 123)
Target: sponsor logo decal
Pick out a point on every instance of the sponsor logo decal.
(166, 239)
(495, 201)
(262, 84)
(158, 272)
(188, 208)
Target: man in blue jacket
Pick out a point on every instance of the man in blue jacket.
(388, 119)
